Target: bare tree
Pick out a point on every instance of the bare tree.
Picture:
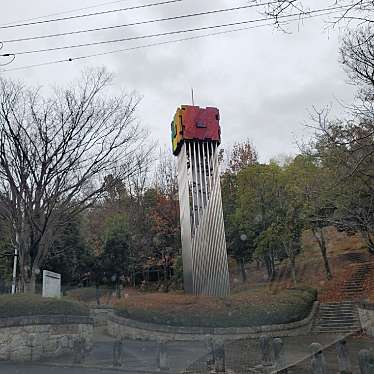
(353, 138)
(348, 11)
(55, 157)
(165, 180)
(347, 145)
(357, 54)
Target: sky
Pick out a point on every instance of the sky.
(264, 81)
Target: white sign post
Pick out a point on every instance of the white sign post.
(51, 284)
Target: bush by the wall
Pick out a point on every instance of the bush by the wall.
(236, 311)
(87, 294)
(21, 305)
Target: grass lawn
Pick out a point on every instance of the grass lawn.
(88, 294)
(260, 306)
(34, 305)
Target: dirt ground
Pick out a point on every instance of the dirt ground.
(345, 253)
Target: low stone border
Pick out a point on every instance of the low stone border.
(366, 314)
(44, 320)
(32, 338)
(100, 313)
(121, 327)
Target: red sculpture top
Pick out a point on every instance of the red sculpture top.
(195, 123)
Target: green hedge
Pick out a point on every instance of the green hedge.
(289, 306)
(32, 305)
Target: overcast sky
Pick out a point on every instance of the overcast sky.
(263, 81)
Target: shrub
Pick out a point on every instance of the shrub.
(87, 294)
(239, 310)
(32, 305)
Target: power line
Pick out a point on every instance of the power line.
(71, 59)
(190, 15)
(35, 51)
(132, 48)
(12, 58)
(91, 14)
(65, 12)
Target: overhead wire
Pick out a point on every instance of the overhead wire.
(176, 32)
(184, 16)
(13, 57)
(82, 57)
(65, 12)
(166, 2)
(70, 59)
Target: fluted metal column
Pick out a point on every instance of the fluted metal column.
(205, 264)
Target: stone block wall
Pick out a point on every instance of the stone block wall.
(40, 337)
(100, 314)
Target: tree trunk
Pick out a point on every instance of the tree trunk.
(272, 261)
(97, 294)
(32, 284)
(28, 266)
(369, 241)
(240, 262)
(270, 266)
(293, 269)
(289, 248)
(322, 245)
(118, 288)
(28, 283)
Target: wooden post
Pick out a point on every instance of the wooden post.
(279, 356)
(162, 356)
(266, 350)
(118, 353)
(344, 362)
(318, 361)
(366, 361)
(211, 358)
(219, 356)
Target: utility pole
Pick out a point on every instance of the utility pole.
(16, 247)
(14, 278)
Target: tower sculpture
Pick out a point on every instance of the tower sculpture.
(196, 135)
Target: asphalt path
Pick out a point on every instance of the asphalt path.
(33, 369)
(141, 357)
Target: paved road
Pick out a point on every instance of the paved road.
(138, 355)
(141, 357)
(26, 369)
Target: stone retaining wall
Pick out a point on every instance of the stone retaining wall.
(100, 314)
(121, 327)
(366, 314)
(37, 337)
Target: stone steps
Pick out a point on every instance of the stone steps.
(336, 317)
(338, 323)
(353, 288)
(343, 317)
(355, 257)
(335, 331)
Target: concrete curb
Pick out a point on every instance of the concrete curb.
(57, 319)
